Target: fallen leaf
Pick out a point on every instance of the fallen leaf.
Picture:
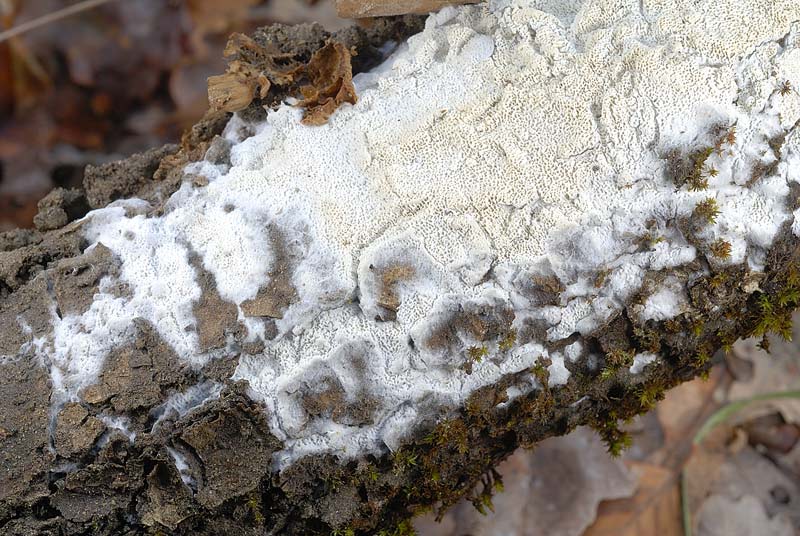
(777, 371)
(722, 516)
(330, 72)
(681, 413)
(655, 509)
(750, 473)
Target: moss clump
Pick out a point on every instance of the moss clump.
(403, 460)
(698, 179)
(476, 353)
(507, 342)
(450, 434)
(707, 210)
(404, 528)
(773, 319)
(254, 506)
(491, 483)
(718, 281)
(721, 249)
(701, 358)
(648, 339)
(541, 373)
(616, 440)
(617, 360)
(649, 395)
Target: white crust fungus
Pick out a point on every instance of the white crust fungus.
(509, 143)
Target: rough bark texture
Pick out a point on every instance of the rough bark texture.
(76, 473)
(382, 8)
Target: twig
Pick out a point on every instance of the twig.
(50, 18)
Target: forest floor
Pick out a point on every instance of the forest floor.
(132, 75)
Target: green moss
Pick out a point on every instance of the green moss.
(701, 358)
(541, 373)
(616, 360)
(491, 483)
(775, 317)
(616, 440)
(721, 249)
(450, 434)
(648, 339)
(403, 460)
(476, 353)
(371, 473)
(254, 505)
(707, 210)
(726, 341)
(650, 395)
(404, 528)
(718, 281)
(698, 326)
(508, 342)
(697, 179)
(620, 358)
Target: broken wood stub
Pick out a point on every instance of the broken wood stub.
(356, 9)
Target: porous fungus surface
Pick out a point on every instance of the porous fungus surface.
(515, 174)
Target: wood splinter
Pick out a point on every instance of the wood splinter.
(357, 9)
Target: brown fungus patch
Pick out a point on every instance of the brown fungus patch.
(388, 296)
(274, 298)
(216, 318)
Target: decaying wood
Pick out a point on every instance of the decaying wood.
(356, 9)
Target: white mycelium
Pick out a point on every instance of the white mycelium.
(509, 141)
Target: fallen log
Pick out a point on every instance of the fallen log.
(533, 217)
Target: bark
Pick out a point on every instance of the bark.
(356, 9)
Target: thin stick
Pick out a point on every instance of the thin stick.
(51, 17)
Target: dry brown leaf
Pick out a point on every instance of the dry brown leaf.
(684, 409)
(231, 92)
(330, 73)
(777, 371)
(723, 516)
(655, 510)
(280, 67)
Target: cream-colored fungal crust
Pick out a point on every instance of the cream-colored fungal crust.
(509, 164)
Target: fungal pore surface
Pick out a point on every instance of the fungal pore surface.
(509, 180)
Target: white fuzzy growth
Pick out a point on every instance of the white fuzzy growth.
(668, 302)
(516, 139)
(183, 467)
(121, 424)
(181, 403)
(640, 361)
